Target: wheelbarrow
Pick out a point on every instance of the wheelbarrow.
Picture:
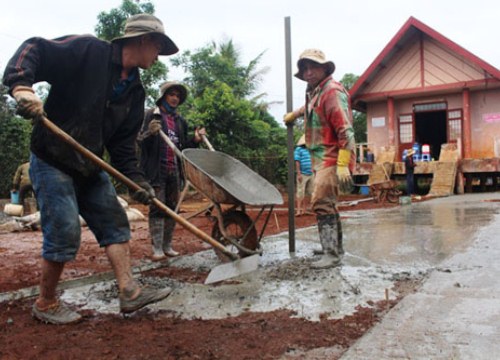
(385, 190)
(236, 267)
(231, 186)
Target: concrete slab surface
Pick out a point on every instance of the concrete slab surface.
(456, 313)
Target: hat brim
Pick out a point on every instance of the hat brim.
(330, 68)
(182, 89)
(301, 141)
(168, 47)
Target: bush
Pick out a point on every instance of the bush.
(14, 137)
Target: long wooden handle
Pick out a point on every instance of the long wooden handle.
(171, 144)
(133, 186)
(207, 143)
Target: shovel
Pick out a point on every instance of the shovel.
(239, 266)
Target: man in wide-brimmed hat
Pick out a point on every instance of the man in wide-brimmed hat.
(330, 139)
(96, 95)
(160, 164)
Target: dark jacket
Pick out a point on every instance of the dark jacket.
(153, 148)
(409, 165)
(81, 71)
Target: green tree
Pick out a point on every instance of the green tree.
(237, 123)
(220, 62)
(14, 137)
(359, 118)
(112, 24)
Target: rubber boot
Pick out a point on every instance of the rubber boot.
(340, 242)
(156, 226)
(340, 237)
(328, 235)
(167, 237)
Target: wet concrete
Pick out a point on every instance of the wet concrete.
(456, 313)
(382, 247)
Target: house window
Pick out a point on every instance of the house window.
(454, 125)
(405, 128)
(429, 107)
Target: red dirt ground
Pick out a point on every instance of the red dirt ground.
(148, 335)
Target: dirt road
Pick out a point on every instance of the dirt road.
(149, 334)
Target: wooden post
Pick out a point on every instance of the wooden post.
(390, 121)
(467, 134)
(290, 140)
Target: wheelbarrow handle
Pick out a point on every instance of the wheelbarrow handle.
(207, 143)
(133, 186)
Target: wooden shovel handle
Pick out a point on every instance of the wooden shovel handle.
(133, 186)
(207, 143)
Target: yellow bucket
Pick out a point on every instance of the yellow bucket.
(13, 209)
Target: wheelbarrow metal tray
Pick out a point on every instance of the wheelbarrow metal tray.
(226, 180)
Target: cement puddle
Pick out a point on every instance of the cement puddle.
(382, 247)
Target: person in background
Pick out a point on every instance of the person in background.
(410, 169)
(330, 139)
(96, 96)
(22, 181)
(160, 164)
(305, 176)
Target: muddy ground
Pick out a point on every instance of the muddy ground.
(152, 334)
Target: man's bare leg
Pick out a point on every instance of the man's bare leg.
(300, 210)
(51, 273)
(47, 307)
(132, 296)
(119, 256)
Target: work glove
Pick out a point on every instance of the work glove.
(29, 105)
(289, 118)
(154, 127)
(343, 174)
(145, 195)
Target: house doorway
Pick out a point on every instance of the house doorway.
(430, 128)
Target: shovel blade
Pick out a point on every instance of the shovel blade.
(233, 269)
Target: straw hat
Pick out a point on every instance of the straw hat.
(143, 24)
(317, 56)
(302, 140)
(172, 85)
(410, 152)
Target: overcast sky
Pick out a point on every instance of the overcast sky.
(351, 32)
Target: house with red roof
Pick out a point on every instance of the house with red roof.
(424, 88)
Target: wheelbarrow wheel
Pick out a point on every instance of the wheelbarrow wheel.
(236, 223)
(393, 195)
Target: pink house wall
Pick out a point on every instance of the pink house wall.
(485, 123)
(485, 120)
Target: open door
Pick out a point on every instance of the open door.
(431, 129)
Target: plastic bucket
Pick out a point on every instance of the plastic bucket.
(13, 209)
(365, 190)
(14, 197)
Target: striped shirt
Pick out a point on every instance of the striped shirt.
(301, 154)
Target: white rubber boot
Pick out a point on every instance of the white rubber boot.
(340, 238)
(328, 235)
(167, 237)
(156, 233)
(327, 261)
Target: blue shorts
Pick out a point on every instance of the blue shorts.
(61, 198)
